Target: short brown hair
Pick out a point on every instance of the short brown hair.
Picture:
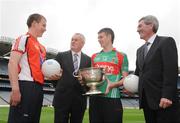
(34, 17)
(108, 31)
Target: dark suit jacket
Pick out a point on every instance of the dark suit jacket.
(68, 87)
(158, 72)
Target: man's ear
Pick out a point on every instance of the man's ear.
(151, 25)
(109, 37)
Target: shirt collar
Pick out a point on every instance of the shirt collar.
(79, 53)
(114, 49)
(151, 39)
(30, 35)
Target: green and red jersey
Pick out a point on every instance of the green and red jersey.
(114, 63)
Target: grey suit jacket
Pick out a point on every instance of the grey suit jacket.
(158, 72)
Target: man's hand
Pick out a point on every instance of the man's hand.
(127, 92)
(164, 103)
(56, 76)
(109, 85)
(15, 97)
(79, 77)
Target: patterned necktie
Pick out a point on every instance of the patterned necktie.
(75, 62)
(146, 49)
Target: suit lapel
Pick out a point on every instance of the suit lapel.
(70, 62)
(141, 56)
(152, 50)
(83, 60)
(141, 60)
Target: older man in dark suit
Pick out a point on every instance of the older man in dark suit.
(157, 68)
(69, 103)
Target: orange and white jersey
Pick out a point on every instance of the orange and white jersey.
(33, 55)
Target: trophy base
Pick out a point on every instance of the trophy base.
(94, 92)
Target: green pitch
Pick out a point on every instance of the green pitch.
(129, 116)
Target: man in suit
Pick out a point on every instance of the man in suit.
(69, 103)
(157, 68)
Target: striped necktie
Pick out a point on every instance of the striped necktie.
(146, 48)
(75, 62)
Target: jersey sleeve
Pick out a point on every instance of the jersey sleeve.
(125, 64)
(20, 44)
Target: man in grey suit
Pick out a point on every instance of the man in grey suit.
(69, 103)
(157, 68)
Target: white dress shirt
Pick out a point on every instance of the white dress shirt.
(79, 57)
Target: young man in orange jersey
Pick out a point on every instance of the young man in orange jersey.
(26, 78)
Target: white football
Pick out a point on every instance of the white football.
(50, 67)
(131, 83)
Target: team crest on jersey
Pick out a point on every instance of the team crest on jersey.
(113, 60)
(105, 58)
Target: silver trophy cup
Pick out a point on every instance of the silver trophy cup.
(92, 77)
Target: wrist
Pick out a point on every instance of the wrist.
(15, 88)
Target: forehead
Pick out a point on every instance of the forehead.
(101, 34)
(76, 37)
(43, 20)
(141, 22)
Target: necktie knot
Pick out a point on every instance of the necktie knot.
(147, 43)
(75, 55)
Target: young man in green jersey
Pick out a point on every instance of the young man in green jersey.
(107, 108)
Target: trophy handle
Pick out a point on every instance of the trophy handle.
(76, 74)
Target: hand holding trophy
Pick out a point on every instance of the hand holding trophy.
(92, 77)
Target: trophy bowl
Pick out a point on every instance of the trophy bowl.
(92, 77)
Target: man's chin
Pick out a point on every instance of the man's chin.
(141, 37)
(40, 35)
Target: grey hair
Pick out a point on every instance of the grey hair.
(81, 35)
(150, 19)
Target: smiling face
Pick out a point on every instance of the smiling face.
(145, 30)
(104, 39)
(77, 42)
(36, 25)
(39, 27)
